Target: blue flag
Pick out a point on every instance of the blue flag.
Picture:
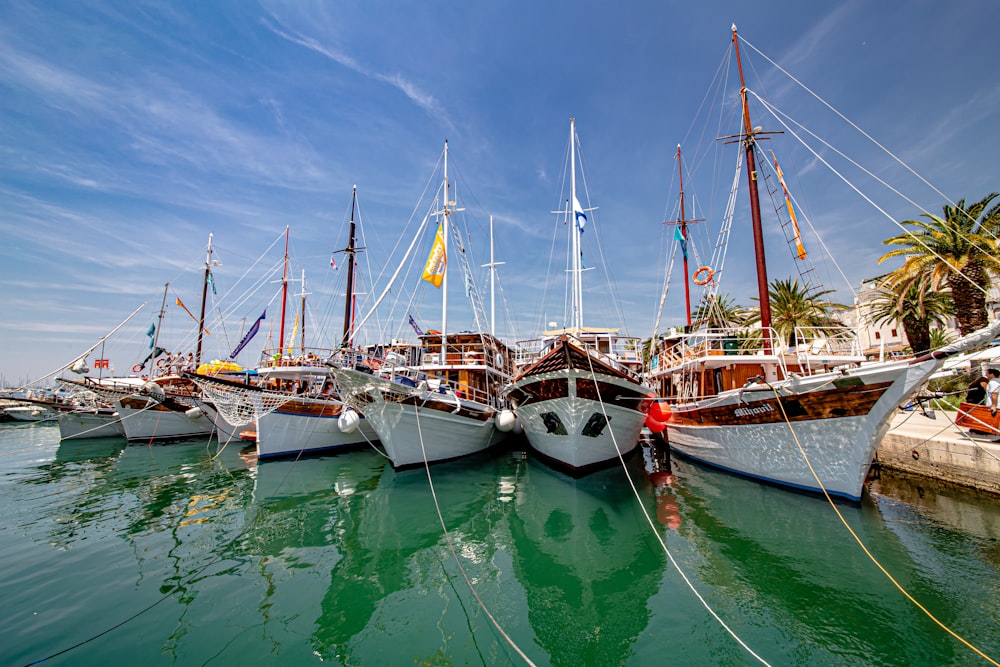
(578, 214)
(250, 334)
(680, 237)
(151, 332)
(413, 323)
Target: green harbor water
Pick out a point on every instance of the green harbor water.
(194, 554)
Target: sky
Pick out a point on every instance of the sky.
(130, 131)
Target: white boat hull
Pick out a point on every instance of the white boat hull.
(224, 431)
(154, 424)
(412, 434)
(829, 453)
(580, 427)
(417, 426)
(573, 448)
(286, 433)
(78, 425)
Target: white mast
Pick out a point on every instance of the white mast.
(575, 269)
(445, 232)
(493, 269)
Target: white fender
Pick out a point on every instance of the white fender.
(506, 421)
(194, 413)
(348, 421)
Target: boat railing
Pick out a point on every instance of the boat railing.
(391, 366)
(678, 348)
(827, 342)
(277, 357)
(815, 349)
(622, 352)
(472, 354)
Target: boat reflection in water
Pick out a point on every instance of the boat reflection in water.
(564, 565)
(396, 595)
(786, 569)
(587, 559)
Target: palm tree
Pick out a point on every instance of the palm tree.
(720, 312)
(913, 305)
(794, 305)
(940, 337)
(957, 250)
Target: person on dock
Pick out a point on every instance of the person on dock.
(976, 391)
(993, 391)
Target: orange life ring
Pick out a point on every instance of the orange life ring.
(709, 274)
(138, 368)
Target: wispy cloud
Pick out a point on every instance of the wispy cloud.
(424, 100)
(161, 122)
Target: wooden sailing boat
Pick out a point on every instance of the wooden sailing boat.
(164, 406)
(293, 402)
(810, 419)
(445, 405)
(579, 398)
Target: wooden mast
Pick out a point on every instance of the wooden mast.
(758, 234)
(349, 295)
(284, 298)
(204, 297)
(683, 224)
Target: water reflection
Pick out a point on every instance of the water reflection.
(587, 559)
(397, 577)
(804, 581)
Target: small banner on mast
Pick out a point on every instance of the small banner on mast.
(249, 334)
(799, 248)
(437, 261)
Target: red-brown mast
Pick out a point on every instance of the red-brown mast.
(758, 234)
(284, 297)
(683, 223)
(349, 295)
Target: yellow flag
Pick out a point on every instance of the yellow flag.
(799, 248)
(437, 261)
(291, 337)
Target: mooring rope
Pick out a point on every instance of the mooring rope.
(451, 546)
(864, 548)
(656, 532)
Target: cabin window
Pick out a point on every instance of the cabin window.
(553, 424)
(595, 425)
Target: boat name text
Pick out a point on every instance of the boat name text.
(757, 410)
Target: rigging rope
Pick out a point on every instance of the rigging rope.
(451, 546)
(656, 532)
(779, 117)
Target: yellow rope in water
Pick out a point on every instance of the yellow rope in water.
(865, 549)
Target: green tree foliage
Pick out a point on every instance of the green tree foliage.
(957, 250)
(721, 312)
(912, 304)
(798, 305)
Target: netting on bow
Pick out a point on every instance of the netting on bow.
(240, 404)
